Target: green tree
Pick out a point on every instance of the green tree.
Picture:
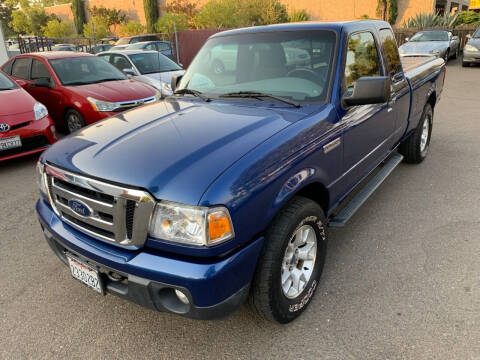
(468, 18)
(109, 17)
(6, 17)
(166, 23)
(151, 14)
(132, 28)
(101, 29)
(58, 29)
(30, 20)
(387, 10)
(78, 9)
(298, 15)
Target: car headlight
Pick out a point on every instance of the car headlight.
(41, 180)
(40, 111)
(469, 47)
(102, 106)
(193, 225)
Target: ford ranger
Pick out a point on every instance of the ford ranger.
(224, 191)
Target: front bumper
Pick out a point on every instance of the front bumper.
(215, 289)
(36, 136)
(471, 56)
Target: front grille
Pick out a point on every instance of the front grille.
(113, 213)
(28, 144)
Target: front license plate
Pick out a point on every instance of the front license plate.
(86, 274)
(10, 143)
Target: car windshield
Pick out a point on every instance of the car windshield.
(6, 83)
(477, 34)
(430, 36)
(85, 70)
(294, 64)
(150, 63)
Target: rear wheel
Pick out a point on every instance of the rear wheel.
(291, 263)
(447, 56)
(415, 147)
(73, 121)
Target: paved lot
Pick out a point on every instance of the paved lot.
(402, 280)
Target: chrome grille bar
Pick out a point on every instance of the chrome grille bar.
(111, 215)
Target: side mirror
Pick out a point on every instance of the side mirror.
(129, 71)
(368, 90)
(42, 82)
(175, 80)
(406, 39)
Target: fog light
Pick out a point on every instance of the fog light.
(182, 297)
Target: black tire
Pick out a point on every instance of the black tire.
(267, 296)
(73, 121)
(447, 56)
(411, 148)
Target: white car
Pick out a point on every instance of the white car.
(149, 67)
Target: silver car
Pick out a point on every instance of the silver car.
(440, 43)
(149, 67)
(471, 51)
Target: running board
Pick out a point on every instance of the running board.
(340, 219)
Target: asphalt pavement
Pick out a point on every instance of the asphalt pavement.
(401, 280)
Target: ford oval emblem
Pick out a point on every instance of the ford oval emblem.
(79, 208)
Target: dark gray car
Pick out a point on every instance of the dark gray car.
(471, 51)
(440, 43)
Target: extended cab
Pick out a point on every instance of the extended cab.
(225, 190)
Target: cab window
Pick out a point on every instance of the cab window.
(391, 51)
(362, 59)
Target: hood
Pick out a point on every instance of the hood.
(423, 47)
(115, 91)
(16, 106)
(165, 77)
(174, 148)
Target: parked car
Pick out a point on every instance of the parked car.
(25, 126)
(164, 47)
(137, 38)
(471, 51)
(77, 88)
(102, 47)
(149, 67)
(226, 188)
(64, 47)
(441, 43)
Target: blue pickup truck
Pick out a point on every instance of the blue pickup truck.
(224, 191)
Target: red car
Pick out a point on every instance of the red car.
(25, 127)
(77, 88)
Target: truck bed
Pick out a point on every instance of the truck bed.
(410, 63)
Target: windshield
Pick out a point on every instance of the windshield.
(150, 63)
(477, 34)
(85, 70)
(6, 83)
(430, 36)
(293, 64)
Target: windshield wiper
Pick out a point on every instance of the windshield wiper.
(199, 94)
(259, 95)
(105, 80)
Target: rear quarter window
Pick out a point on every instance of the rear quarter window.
(7, 68)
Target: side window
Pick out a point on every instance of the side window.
(39, 71)
(120, 62)
(362, 59)
(105, 57)
(7, 68)
(151, 46)
(391, 51)
(163, 46)
(21, 68)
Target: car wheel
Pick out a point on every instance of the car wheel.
(456, 54)
(291, 262)
(447, 56)
(415, 147)
(74, 121)
(218, 67)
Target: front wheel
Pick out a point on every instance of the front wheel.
(74, 121)
(291, 263)
(415, 147)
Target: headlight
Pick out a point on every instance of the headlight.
(469, 47)
(40, 111)
(192, 225)
(40, 175)
(102, 106)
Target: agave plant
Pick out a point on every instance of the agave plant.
(428, 20)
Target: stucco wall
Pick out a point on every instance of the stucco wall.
(63, 11)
